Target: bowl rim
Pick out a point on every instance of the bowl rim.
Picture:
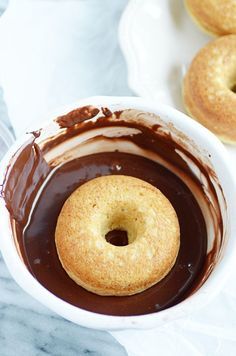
(109, 322)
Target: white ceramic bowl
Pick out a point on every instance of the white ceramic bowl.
(207, 144)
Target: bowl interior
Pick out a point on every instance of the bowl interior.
(132, 131)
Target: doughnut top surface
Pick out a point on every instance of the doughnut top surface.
(210, 85)
(124, 203)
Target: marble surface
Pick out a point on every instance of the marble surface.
(29, 329)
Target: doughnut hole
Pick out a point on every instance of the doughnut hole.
(117, 237)
(233, 88)
(103, 206)
(121, 225)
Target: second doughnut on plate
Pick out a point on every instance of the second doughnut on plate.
(123, 203)
(217, 17)
(210, 85)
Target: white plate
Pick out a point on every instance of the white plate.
(159, 41)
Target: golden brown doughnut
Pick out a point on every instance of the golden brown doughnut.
(125, 203)
(210, 85)
(217, 17)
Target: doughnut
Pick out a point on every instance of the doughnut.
(216, 17)
(111, 203)
(209, 88)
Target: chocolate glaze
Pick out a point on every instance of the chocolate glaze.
(38, 239)
(77, 116)
(35, 226)
(106, 112)
(24, 180)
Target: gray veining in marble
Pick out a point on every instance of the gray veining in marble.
(3, 5)
(29, 329)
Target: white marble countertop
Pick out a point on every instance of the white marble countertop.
(29, 329)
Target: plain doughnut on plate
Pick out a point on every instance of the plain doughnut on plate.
(217, 17)
(122, 203)
(209, 88)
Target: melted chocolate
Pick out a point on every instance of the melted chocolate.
(35, 227)
(39, 247)
(106, 112)
(77, 116)
(24, 180)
